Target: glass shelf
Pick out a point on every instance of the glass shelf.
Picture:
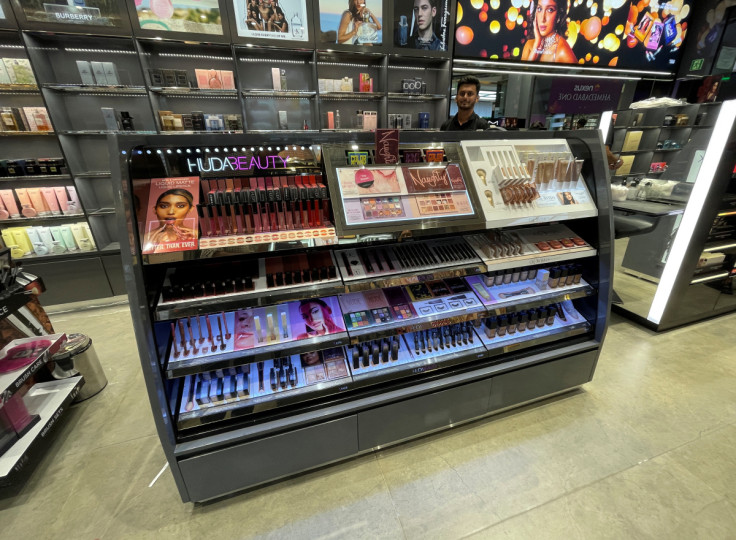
(415, 97)
(185, 91)
(279, 93)
(97, 89)
(27, 134)
(19, 89)
(40, 219)
(107, 132)
(352, 96)
(37, 178)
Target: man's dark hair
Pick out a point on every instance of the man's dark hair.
(582, 122)
(469, 79)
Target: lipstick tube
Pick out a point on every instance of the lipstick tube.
(203, 221)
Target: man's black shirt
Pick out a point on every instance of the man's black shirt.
(474, 123)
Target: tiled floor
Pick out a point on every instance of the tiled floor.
(647, 450)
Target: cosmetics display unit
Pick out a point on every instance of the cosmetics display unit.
(285, 298)
(681, 267)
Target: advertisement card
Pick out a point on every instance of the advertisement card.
(171, 217)
(369, 181)
(192, 16)
(272, 19)
(433, 179)
(87, 12)
(422, 24)
(356, 22)
(315, 317)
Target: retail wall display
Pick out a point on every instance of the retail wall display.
(284, 20)
(199, 121)
(422, 24)
(531, 181)
(32, 167)
(282, 325)
(74, 12)
(623, 35)
(677, 177)
(190, 16)
(350, 22)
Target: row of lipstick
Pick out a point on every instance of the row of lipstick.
(375, 352)
(523, 320)
(444, 339)
(236, 206)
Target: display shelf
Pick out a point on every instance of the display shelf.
(509, 343)
(649, 208)
(97, 89)
(113, 247)
(255, 298)
(462, 313)
(104, 132)
(18, 298)
(92, 174)
(189, 366)
(352, 96)
(49, 400)
(233, 132)
(40, 219)
(413, 277)
(279, 93)
(27, 134)
(415, 97)
(707, 278)
(185, 91)
(51, 178)
(719, 247)
(19, 89)
(517, 299)
(68, 255)
(257, 399)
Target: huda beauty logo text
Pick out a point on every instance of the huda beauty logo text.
(235, 163)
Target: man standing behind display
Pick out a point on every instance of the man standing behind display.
(468, 89)
(424, 13)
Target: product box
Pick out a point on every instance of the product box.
(20, 119)
(631, 141)
(85, 72)
(276, 78)
(156, 76)
(111, 119)
(23, 352)
(167, 120)
(41, 118)
(98, 70)
(365, 82)
(214, 122)
(283, 120)
(111, 73)
(169, 77)
(228, 80)
(181, 78)
(203, 80)
(8, 64)
(346, 84)
(21, 70)
(4, 77)
(370, 120)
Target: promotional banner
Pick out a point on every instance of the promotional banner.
(89, 12)
(422, 24)
(351, 22)
(272, 19)
(623, 34)
(193, 16)
(171, 216)
(582, 96)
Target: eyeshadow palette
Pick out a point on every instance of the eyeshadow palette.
(410, 256)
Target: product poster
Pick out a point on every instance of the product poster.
(193, 16)
(422, 24)
(171, 216)
(617, 33)
(91, 12)
(315, 317)
(369, 181)
(272, 19)
(2, 14)
(351, 22)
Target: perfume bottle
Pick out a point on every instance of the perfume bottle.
(297, 30)
(283, 79)
(337, 119)
(403, 31)
(305, 126)
(127, 121)
(358, 119)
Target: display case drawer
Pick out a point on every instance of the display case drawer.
(248, 464)
(412, 417)
(542, 380)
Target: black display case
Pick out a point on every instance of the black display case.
(254, 342)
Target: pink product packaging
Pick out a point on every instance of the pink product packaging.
(228, 80)
(37, 201)
(61, 196)
(9, 201)
(27, 208)
(203, 80)
(4, 214)
(51, 202)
